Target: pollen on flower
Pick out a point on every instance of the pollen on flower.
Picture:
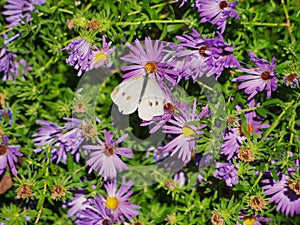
(249, 220)
(100, 56)
(3, 149)
(265, 75)
(223, 4)
(169, 106)
(257, 203)
(58, 191)
(151, 67)
(109, 150)
(202, 50)
(24, 191)
(295, 186)
(88, 131)
(112, 203)
(187, 131)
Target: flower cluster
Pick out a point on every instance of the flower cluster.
(84, 56)
(108, 209)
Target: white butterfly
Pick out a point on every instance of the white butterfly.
(142, 93)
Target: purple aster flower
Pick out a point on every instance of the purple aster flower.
(258, 79)
(187, 133)
(9, 65)
(47, 136)
(234, 137)
(285, 192)
(76, 131)
(228, 172)
(104, 158)
(6, 115)
(205, 55)
(79, 203)
(153, 61)
(252, 219)
(101, 56)
(80, 55)
(18, 10)
(98, 214)
(223, 57)
(216, 11)
(117, 201)
(180, 179)
(8, 156)
(291, 79)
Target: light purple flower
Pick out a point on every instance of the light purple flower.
(76, 131)
(228, 172)
(258, 79)
(234, 137)
(18, 10)
(152, 61)
(205, 56)
(80, 55)
(104, 158)
(10, 65)
(216, 11)
(101, 56)
(47, 136)
(96, 214)
(187, 133)
(118, 201)
(284, 191)
(8, 156)
(80, 202)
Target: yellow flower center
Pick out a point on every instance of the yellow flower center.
(151, 67)
(187, 131)
(112, 203)
(249, 220)
(100, 56)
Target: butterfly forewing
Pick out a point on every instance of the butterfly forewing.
(127, 94)
(152, 100)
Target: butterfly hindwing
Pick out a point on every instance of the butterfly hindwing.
(127, 94)
(152, 101)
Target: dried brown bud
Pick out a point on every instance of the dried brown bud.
(24, 191)
(246, 155)
(70, 24)
(58, 191)
(257, 203)
(93, 25)
(80, 108)
(216, 219)
(88, 131)
(295, 186)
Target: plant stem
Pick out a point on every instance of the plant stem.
(150, 21)
(276, 122)
(264, 24)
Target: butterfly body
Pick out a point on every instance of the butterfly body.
(140, 93)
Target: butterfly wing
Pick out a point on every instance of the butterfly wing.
(127, 94)
(152, 101)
